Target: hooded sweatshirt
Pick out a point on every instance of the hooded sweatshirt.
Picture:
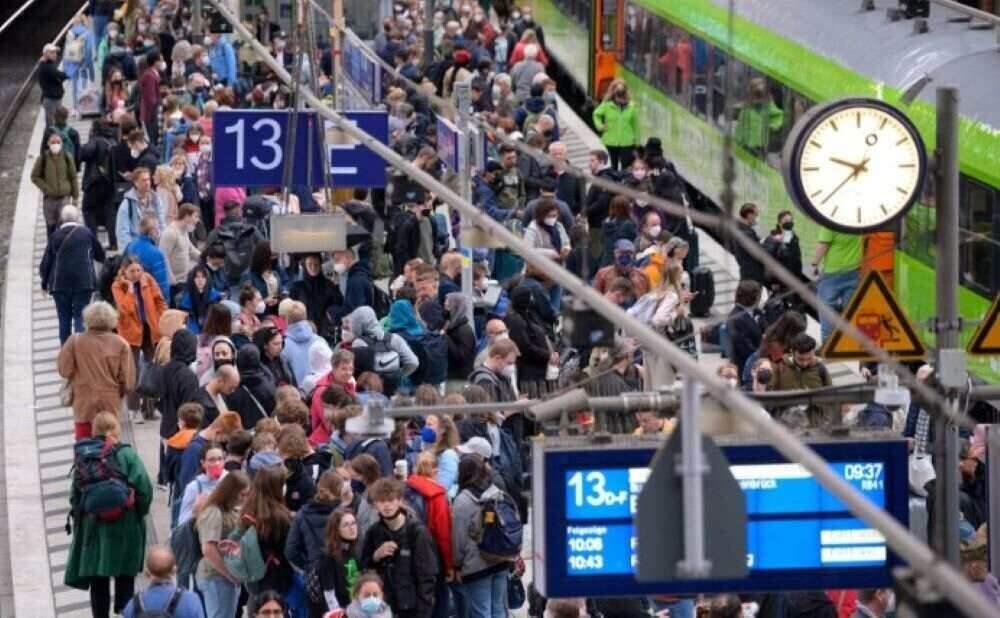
(461, 337)
(438, 514)
(254, 399)
(306, 540)
(298, 341)
(366, 327)
(180, 384)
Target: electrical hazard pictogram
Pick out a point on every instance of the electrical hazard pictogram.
(874, 311)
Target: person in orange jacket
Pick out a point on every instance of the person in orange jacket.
(140, 306)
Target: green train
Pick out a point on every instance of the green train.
(672, 54)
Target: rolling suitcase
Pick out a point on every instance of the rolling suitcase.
(703, 288)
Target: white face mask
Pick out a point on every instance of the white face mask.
(347, 336)
(483, 285)
(135, 153)
(655, 231)
(639, 174)
(205, 149)
(260, 308)
(550, 221)
(55, 148)
(161, 66)
(732, 382)
(340, 268)
(509, 370)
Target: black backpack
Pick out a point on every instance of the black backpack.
(239, 250)
(109, 272)
(167, 611)
(380, 301)
(703, 288)
(104, 490)
(415, 500)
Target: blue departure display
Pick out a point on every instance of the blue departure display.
(795, 528)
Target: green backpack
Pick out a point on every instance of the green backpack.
(246, 563)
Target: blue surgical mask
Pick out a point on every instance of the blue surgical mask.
(624, 259)
(371, 605)
(428, 435)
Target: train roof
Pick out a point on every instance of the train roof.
(952, 53)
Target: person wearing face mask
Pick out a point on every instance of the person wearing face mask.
(529, 334)
(623, 266)
(212, 462)
(254, 399)
(222, 59)
(355, 277)
(149, 94)
(762, 371)
(54, 173)
(252, 307)
(617, 120)
(783, 245)
(369, 598)
(140, 307)
(497, 372)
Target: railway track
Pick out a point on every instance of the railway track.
(24, 29)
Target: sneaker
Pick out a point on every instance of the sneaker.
(137, 417)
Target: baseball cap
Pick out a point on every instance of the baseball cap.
(624, 244)
(493, 166)
(476, 446)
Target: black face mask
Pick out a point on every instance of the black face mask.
(219, 362)
(391, 517)
(788, 225)
(764, 376)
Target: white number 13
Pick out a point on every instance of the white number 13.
(271, 143)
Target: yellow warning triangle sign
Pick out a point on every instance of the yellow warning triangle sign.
(875, 312)
(986, 339)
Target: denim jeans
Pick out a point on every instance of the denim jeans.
(99, 22)
(555, 298)
(485, 598)
(69, 308)
(835, 290)
(220, 595)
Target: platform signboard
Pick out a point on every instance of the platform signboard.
(448, 144)
(799, 536)
(361, 70)
(248, 149)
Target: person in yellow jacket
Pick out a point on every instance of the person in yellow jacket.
(617, 120)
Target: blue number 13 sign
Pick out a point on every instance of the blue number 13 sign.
(249, 146)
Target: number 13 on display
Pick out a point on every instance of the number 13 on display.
(272, 143)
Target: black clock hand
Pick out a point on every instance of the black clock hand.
(840, 186)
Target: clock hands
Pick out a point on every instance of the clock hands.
(856, 171)
(854, 166)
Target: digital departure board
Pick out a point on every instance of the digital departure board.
(799, 536)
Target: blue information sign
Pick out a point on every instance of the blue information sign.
(448, 144)
(361, 70)
(248, 149)
(799, 536)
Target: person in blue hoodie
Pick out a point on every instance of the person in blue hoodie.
(149, 255)
(78, 58)
(355, 281)
(299, 339)
(222, 58)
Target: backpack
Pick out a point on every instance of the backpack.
(239, 250)
(257, 211)
(385, 361)
(380, 300)
(167, 611)
(75, 47)
(247, 563)
(501, 532)
(432, 352)
(104, 490)
(186, 545)
(109, 272)
(415, 500)
(507, 463)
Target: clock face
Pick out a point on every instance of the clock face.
(855, 165)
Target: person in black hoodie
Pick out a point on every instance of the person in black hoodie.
(400, 549)
(305, 544)
(300, 487)
(461, 338)
(269, 341)
(99, 179)
(528, 332)
(315, 290)
(50, 80)
(337, 564)
(180, 384)
(254, 399)
(358, 287)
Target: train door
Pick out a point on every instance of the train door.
(608, 43)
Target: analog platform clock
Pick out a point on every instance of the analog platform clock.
(854, 165)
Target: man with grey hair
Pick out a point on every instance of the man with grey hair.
(67, 270)
(523, 73)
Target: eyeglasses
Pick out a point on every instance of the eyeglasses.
(271, 612)
(349, 524)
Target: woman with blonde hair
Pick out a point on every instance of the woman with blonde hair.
(617, 120)
(110, 544)
(434, 503)
(98, 366)
(167, 191)
(440, 437)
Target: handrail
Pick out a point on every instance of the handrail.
(22, 93)
(969, 11)
(16, 14)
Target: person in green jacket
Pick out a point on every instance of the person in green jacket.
(55, 176)
(102, 551)
(759, 119)
(617, 120)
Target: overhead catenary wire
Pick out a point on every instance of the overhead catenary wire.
(952, 583)
(936, 403)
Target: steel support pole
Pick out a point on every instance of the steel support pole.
(463, 101)
(197, 23)
(692, 471)
(946, 578)
(428, 58)
(335, 49)
(993, 492)
(946, 510)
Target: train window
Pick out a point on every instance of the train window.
(673, 63)
(701, 53)
(759, 114)
(978, 249)
(721, 91)
(635, 24)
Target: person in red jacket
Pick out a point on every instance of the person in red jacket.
(149, 95)
(341, 374)
(437, 518)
